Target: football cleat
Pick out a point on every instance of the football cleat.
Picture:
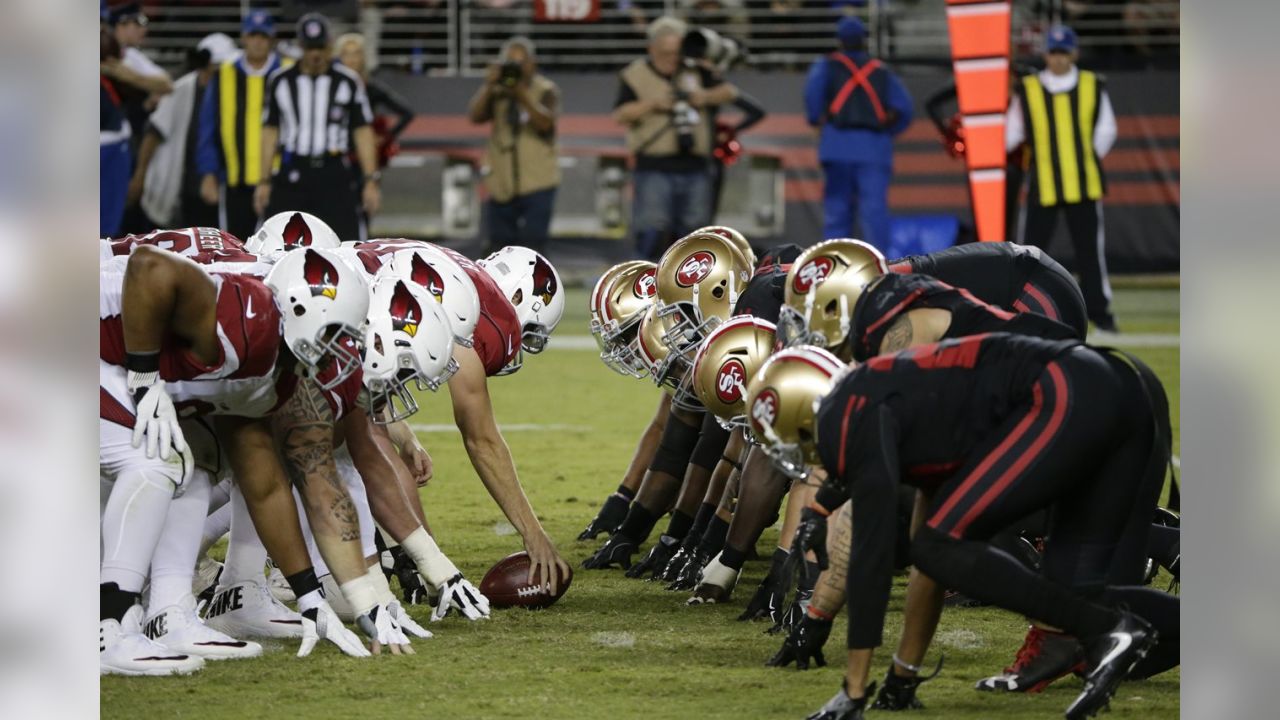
(1043, 658)
(178, 628)
(205, 581)
(715, 585)
(124, 650)
(899, 693)
(610, 517)
(616, 552)
(1112, 656)
(687, 577)
(247, 609)
(656, 561)
(843, 707)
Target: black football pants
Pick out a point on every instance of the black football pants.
(1084, 226)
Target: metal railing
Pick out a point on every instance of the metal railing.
(460, 37)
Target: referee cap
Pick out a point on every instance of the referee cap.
(314, 31)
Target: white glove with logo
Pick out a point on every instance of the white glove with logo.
(323, 622)
(157, 420)
(457, 593)
(406, 622)
(380, 627)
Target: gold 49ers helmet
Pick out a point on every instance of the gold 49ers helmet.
(822, 288)
(731, 354)
(651, 348)
(738, 239)
(621, 306)
(593, 302)
(781, 403)
(699, 280)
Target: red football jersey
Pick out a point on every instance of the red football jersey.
(498, 331)
(202, 244)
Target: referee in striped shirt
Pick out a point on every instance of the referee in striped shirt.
(314, 110)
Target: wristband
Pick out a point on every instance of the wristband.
(303, 582)
(142, 362)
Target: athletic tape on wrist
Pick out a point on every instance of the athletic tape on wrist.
(360, 593)
(431, 562)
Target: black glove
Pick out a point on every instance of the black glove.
(676, 563)
(616, 551)
(794, 613)
(843, 707)
(771, 596)
(611, 515)
(810, 535)
(656, 560)
(687, 578)
(411, 585)
(804, 642)
(899, 693)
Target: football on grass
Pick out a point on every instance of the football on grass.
(507, 585)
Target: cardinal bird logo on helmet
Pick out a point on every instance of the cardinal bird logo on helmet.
(694, 268)
(646, 286)
(405, 311)
(421, 272)
(320, 274)
(296, 232)
(729, 381)
(764, 411)
(812, 274)
(544, 281)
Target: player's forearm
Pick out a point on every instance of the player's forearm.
(381, 469)
(797, 499)
(829, 592)
(645, 450)
(402, 435)
(492, 461)
(330, 511)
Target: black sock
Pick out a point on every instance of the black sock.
(639, 523)
(626, 492)
(706, 511)
(113, 602)
(303, 582)
(732, 558)
(713, 538)
(679, 526)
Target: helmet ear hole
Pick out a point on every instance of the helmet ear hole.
(377, 344)
(717, 292)
(830, 308)
(299, 310)
(518, 297)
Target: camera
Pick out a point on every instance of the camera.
(684, 118)
(707, 44)
(510, 73)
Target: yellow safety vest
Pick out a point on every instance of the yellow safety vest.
(241, 98)
(1065, 168)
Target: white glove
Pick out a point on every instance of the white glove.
(323, 622)
(380, 627)
(407, 623)
(157, 420)
(457, 593)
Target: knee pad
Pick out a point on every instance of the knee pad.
(706, 454)
(674, 450)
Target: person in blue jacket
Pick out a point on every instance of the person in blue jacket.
(859, 105)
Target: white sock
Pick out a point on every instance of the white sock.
(174, 561)
(219, 494)
(216, 525)
(246, 557)
(131, 524)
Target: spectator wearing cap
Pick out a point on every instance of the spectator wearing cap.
(1064, 114)
(858, 105)
(315, 111)
(165, 181)
(144, 82)
(230, 127)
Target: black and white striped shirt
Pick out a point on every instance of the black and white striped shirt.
(316, 115)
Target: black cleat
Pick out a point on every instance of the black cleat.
(611, 515)
(1043, 658)
(656, 560)
(616, 552)
(843, 707)
(1112, 657)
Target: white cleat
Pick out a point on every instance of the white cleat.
(178, 628)
(208, 571)
(279, 587)
(333, 595)
(247, 609)
(124, 650)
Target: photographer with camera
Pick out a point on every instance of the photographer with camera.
(521, 167)
(664, 101)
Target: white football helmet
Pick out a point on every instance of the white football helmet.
(289, 230)
(533, 287)
(445, 279)
(408, 338)
(323, 303)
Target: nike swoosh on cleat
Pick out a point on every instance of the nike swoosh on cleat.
(1123, 641)
(213, 643)
(287, 622)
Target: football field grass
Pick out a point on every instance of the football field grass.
(612, 647)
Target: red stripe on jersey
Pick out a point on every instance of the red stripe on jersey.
(892, 312)
(111, 410)
(1050, 310)
(1060, 402)
(855, 404)
(901, 268)
(1020, 306)
(997, 311)
(962, 353)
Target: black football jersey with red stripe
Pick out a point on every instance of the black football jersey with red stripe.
(892, 295)
(763, 295)
(995, 272)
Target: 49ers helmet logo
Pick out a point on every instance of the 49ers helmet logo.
(646, 284)
(694, 268)
(545, 286)
(729, 381)
(405, 311)
(296, 232)
(764, 411)
(812, 274)
(421, 272)
(320, 274)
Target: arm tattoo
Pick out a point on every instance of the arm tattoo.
(839, 540)
(898, 336)
(304, 429)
